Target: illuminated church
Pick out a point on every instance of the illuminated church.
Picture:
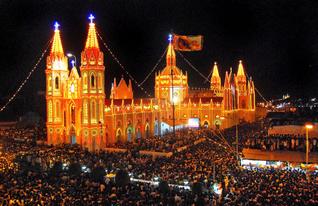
(79, 111)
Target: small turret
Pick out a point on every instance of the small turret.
(171, 55)
(91, 42)
(215, 78)
(57, 60)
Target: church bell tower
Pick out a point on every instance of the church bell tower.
(93, 93)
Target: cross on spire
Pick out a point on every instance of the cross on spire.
(56, 26)
(91, 18)
(170, 38)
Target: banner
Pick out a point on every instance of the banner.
(187, 43)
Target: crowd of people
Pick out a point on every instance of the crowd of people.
(165, 143)
(211, 164)
(281, 142)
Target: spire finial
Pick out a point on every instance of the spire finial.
(56, 26)
(170, 38)
(215, 63)
(91, 18)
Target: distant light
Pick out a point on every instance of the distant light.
(73, 63)
(69, 55)
(56, 26)
(91, 18)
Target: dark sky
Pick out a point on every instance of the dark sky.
(277, 40)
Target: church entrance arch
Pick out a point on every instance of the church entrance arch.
(72, 135)
(217, 123)
(118, 135)
(156, 126)
(206, 124)
(147, 130)
(138, 130)
(130, 130)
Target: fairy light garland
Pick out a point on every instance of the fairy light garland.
(122, 67)
(154, 68)
(27, 78)
(193, 67)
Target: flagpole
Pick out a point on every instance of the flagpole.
(172, 95)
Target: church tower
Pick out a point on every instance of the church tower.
(176, 90)
(216, 81)
(93, 93)
(56, 76)
(241, 85)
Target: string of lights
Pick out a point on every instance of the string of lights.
(222, 138)
(208, 76)
(193, 67)
(154, 68)
(121, 66)
(207, 80)
(13, 96)
(257, 90)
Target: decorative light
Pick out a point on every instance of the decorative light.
(56, 26)
(72, 88)
(309, 126)
(91, 18)
(170, 38)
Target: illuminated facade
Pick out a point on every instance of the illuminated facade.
(79, 112)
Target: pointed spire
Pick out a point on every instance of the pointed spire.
(115, 84)
(215, 72)
(91, 41)
(57, 48)
(215, 78)
(171, 55)
(240, 71)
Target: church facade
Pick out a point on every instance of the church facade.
(78, 110)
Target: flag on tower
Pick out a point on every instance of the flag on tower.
(187, 43)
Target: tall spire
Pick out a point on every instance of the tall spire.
(91, 41)
(171, 55)
(57, 48)
(215, 72)
(215, 78)
(240, 71)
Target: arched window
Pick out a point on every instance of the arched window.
(73, 114)
(93, 110)
(100, 110)
(85, 111)
(57, 109)
(92, 80)
(50, 111)
(85, 82)
(49, 84)
(56, 82)
(100, 81)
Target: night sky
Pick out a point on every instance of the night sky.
(277, 41)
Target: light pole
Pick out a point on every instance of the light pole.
(308, 126)
(73, 61)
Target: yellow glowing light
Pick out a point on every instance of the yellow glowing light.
(309, 126)
(72, 88)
